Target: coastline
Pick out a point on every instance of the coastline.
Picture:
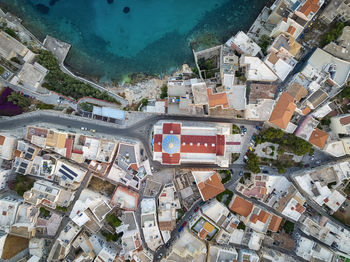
(138, 81)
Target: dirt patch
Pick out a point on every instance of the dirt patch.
(13, 245)
(101, 186)
(343, 213)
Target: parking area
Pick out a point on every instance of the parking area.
(247, 131)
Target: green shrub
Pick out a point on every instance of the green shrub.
(88, 107)
(241, 225)
(23, 184)
(253, 163)
(65, 84)
(11, 32)
(113, 220)
(44, 212)
(144, 101)
(288, 227)
(19, 99)
(164, 92)
(44, 106)
(16, 60)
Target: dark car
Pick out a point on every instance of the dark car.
(254, 138)
(196, 209)
(258, 128)
(265, 171)
(184, 224)
(180, 229)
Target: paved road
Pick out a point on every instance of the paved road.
(140, 131)
(175, 233)
(66, 218)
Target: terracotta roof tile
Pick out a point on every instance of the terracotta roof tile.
(241, 206)
(189, 144)
(310, 6)
(203, 233)
(318, 138)
(219, 99)
(211, 187)
(273, 58)
(2, 140)
(291, 30)
(263, 216)
(306, 111)
(69, 146)
(297, 91)
(172, 128)
(275, 223)
(173, 159)
(220, 145)
(254, 218)
(345, 120)
(157, 143)
(299, 208)
(283, 111)
(262, 91)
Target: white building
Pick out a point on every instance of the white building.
(243, 44)
(149, 224)
(7, 146)
(257, 70)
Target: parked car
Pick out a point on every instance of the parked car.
(180, 229)
(247, 153)
(318, 162)
(93, 130)
(250, 148)
(241, 173)
(265, 171)
(196, 209)
(258, 128)
(253, 138)
(307, 165)
(83, 128)
(184, 224)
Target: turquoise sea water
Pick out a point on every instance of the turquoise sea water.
(154, 37)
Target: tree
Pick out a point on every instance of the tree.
(288, 227)
(86, 106)
(113, 220)
(253, 163)
(2, 70)
(271, 134)
(264, 43)
(164, 92)
(281, 169)
(326, 121)
(19, 99)
(65, 84)
(144, 101)
(10, 32)
(299, 146)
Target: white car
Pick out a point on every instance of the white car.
(83, 128)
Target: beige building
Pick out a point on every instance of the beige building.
(336, 10)
(31, 76)
(10, 47)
